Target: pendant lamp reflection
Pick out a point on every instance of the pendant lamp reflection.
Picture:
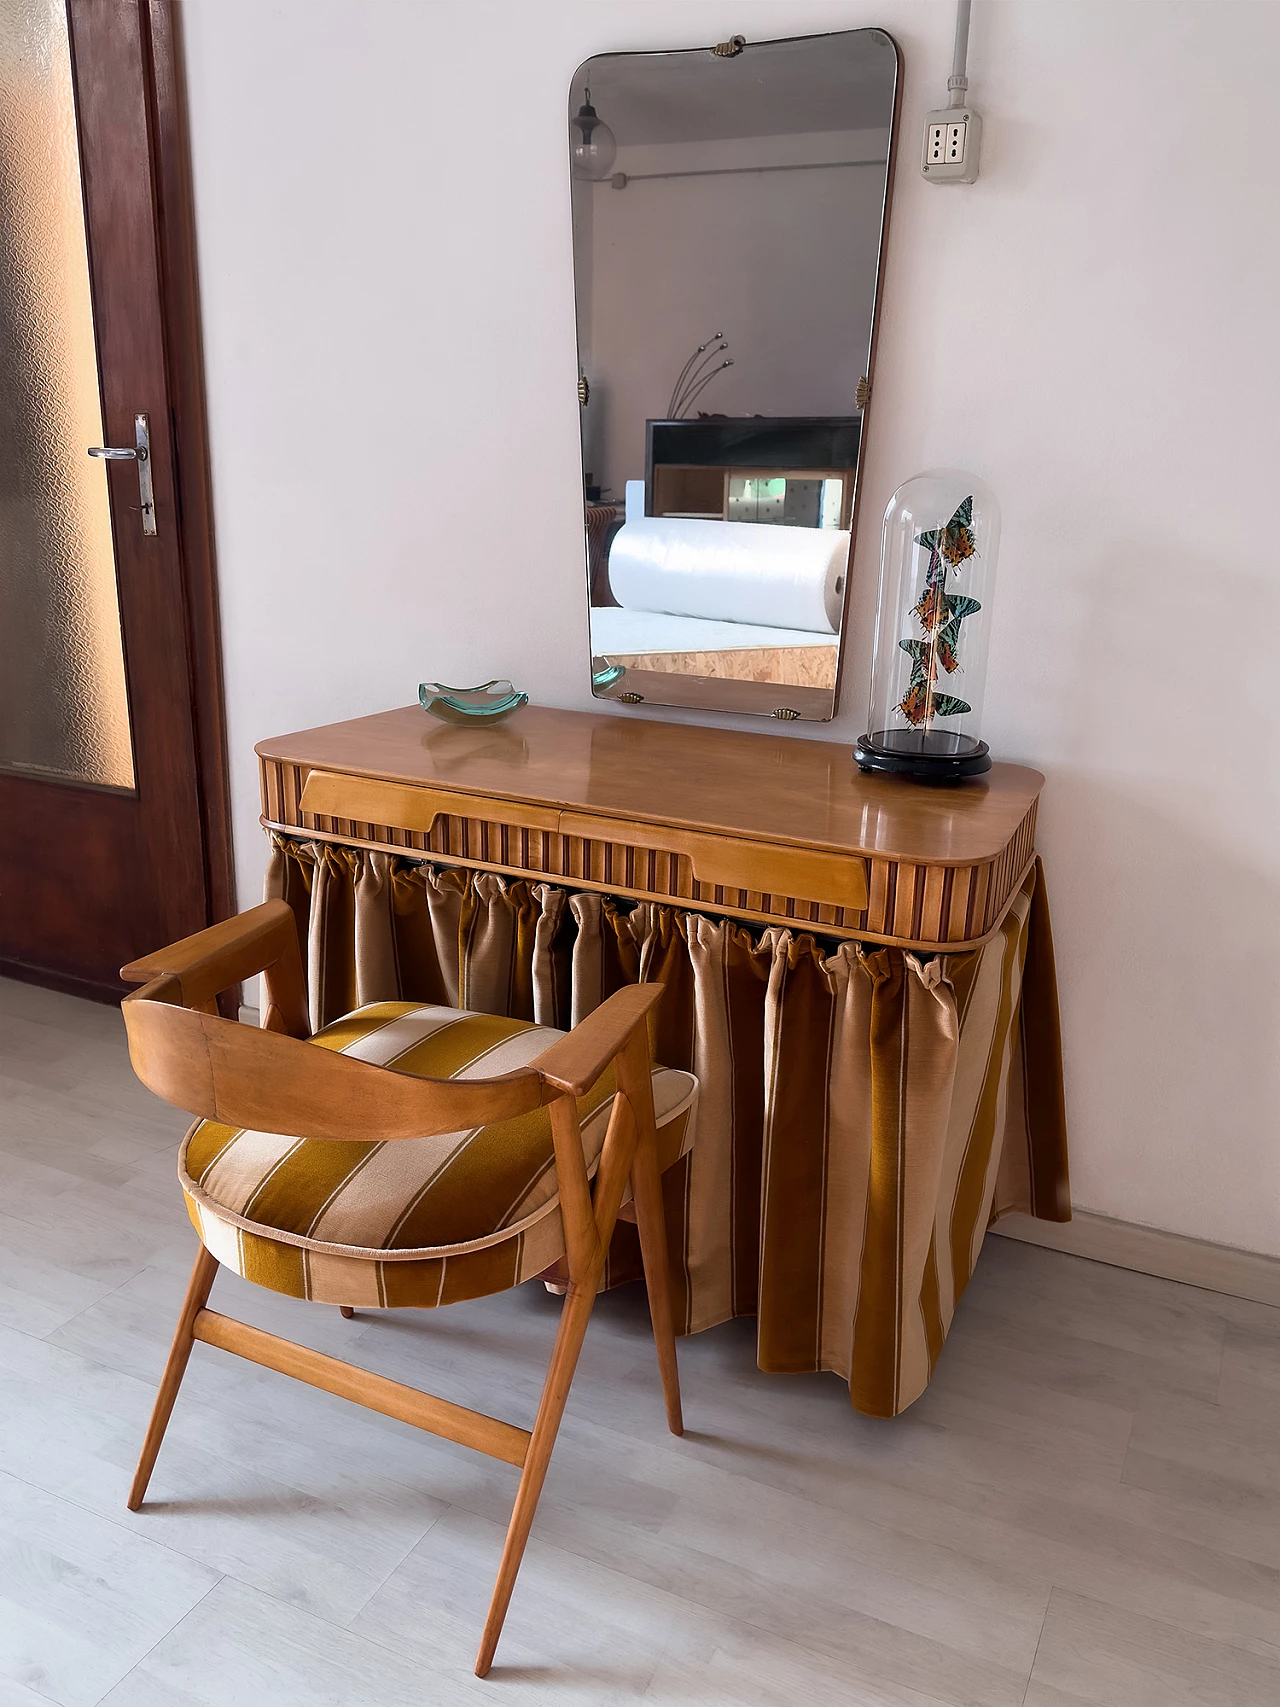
(937, 572)
(592, 149)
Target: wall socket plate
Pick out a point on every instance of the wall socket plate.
(952, 144)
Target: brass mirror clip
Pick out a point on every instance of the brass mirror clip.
(729, 49)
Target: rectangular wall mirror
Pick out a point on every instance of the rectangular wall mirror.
(728, 209)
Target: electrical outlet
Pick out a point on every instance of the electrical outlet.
(952, 139)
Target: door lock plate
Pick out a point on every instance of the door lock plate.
(141, 454)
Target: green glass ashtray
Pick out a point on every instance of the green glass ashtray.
(488, 703)
(604, 674)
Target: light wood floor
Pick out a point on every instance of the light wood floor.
(1083, 1507)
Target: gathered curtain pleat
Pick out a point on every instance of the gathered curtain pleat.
(865, 1113)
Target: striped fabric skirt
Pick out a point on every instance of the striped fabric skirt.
(865, 1113)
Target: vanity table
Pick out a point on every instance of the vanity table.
(756, 827)
(859, 970)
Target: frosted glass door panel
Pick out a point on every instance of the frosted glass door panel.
(63, 704)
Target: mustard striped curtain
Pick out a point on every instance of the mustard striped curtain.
(865, 1113)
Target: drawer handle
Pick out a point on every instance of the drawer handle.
(409, 806)
(808, 874)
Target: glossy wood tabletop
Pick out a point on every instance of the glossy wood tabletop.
(807, 793)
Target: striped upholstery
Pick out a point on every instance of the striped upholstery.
(419, 1221)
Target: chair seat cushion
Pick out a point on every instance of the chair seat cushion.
(322, 1206)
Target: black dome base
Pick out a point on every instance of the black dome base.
(933, 758)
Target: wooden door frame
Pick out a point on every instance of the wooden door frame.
(159, 25)
(184, 360)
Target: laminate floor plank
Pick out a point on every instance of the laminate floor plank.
(1251, 1364)
(240, 1647)
(1107, 1657)
(42, 1287)
(1081, 1510)
(18, 1695)
(313, 1526)
(642, 1642)
(750, 1669)
(794, 1584)
(81, 1599)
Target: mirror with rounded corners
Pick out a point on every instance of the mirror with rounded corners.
(729, 207)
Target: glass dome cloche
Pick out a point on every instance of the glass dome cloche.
(937, 571)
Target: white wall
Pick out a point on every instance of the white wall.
(389, 331)
(783, 263)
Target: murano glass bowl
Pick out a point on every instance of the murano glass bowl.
(488, 703)
(604, 674)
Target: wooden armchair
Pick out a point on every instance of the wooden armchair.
(405, 1155)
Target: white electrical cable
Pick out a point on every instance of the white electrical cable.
(958, 82)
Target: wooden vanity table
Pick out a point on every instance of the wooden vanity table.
(859, 970)
(757, 827)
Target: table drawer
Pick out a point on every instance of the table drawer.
(729, 862)
(724, 862)
(369, 800)
(872, 897)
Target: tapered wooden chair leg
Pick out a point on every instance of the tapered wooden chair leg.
(635, 1079)
(564, 1359)
(197, 1297)
(646, 1189)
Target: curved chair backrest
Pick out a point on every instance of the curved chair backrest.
(267, 1082)
(274, 1080)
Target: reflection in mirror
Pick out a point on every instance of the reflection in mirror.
(727, 220)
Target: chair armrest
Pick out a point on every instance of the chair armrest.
(574, 1063)
(265, 939)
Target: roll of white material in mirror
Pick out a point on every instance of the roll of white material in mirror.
(783, 577)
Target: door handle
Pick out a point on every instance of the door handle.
(141, 454)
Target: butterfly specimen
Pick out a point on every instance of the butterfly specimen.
(915, 704)
(933, 607)
(955, 541)
(940, 615)
(948, 638)
(924, 663)
(921, 703)
(947, 705)
(944, 612)
(924, 669)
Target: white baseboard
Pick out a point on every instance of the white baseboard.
(1123, 1244)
